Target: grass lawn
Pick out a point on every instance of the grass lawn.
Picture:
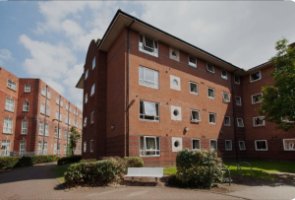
(59, 172)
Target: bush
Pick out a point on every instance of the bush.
(68, 160)
(44, 158)
(24, 162)
(8, 162)
(134, 161)
(94, 173)
(198, 169)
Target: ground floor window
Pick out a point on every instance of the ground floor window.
(149, 146)
(261, 145)
(213, 145)
(196, 144)
(22, 147)
(228, 145)
(91, 146)
(84, 146)
(289, 144)
(42, 148)
(242, 145)
(5, 148)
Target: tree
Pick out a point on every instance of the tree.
(278, 103)
(74, 137)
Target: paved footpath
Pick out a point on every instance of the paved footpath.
(39, 182)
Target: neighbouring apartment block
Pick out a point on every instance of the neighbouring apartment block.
(34, 119)
(150, 94)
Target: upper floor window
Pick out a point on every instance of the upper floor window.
(212, 118)
(237, 79)
(240, 122)
(85, 98)
(149, 111)
(256, 98)
(9, 104)
(238, 101)
(225, 97)
(11, 84)
(258, 121)
(148, 45)
(224, 75)
(195, 116)
(175, 113)
(94, 62)
(289, 144)
(226, 121)
(192, 61)
(174, 54)
(26, 106)
(255, 76)
(86, 74)
(85, 122)
(193, 87)
(211, 93)
(7, 125)
(148, 77)
(213, 145)
(43, 91)
(228, 146)
(24, 127)
(261, 145)
(242, 145)
(210, 68)
(92, 117)
(175, 82)
(27, 88)
(92, 90)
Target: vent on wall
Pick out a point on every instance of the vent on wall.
(176, 144)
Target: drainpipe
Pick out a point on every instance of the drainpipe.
(234, 118)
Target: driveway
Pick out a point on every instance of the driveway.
(39, 182)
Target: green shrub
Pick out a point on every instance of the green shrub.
(198, 169)
(94, 173)
(24, 161)
(44, 158)
(134, 161)
(68, 160)
(8, 162)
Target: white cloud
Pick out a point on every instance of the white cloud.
(5, 55)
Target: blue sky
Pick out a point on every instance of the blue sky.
(49, 40)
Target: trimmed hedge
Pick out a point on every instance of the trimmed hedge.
(68, 160)
(134, 161)
(8, 162)
(200, 169)
(44, 158)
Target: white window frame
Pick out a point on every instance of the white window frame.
(199, 114)
(224, 99)
(22, 147)
(215, 118)
(209, 70)
(7, 125)
(84, 147)
(286, 147)
(225, 77)
(192, 64)
(24, 127)
(92, 91)
(6, 148)
(251, 79)
(230, 146)
(26, 106)
(93, 62)
(256, 94)
(258, 125)
(227, 124)
(9, 104)
(27, 88)
(210, 146)
(175, 79)
(266, 145)
(242, 147)
(11, 84)
(85, 121)
(142, 46)
(174, 57)
(142, 152)
(85, 98)
(190, 89)
(86, 74)
(173, 116)
(148, 83)
(144, 117)
(238, 100)
(195, 149)
(210, 97)
(92, 117)
(240, 122)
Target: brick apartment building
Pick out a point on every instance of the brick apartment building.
(150, 94)
(31, 114)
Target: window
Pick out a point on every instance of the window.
(57, 132)
(43, 91)
(210, 68)
(27, 88)
(256, 98)
(149, 146)
(92, 117)
(11, 84)
(85, 121)
(238, 101)
(42, 108)
(7, 125)
(148, 77)
(237, 79)
(26, 106)
(22, 147)
(86, 74)
(9, 104)
(24, 127)
(255, 76)
(226, 121)
(46, 129)
(211, 93)
(240, 122)
(148, 46)
(175, 113)
(196, 145)
(84, 146)
(92, 89)
(228, 146)
(86, 98)
(192, 61)
(5, 147)
(195, 116)
(65, 149)
(41, 128)
(149, 111)
(175, 83)
(258, 121)
(289, 144)
(174, 54)
(212, 118)
(224, 74)
(193, 87)
(94, 62)
(242, 145)
(261, 145)
(225, 97)
(213, 145)
(91, 146)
